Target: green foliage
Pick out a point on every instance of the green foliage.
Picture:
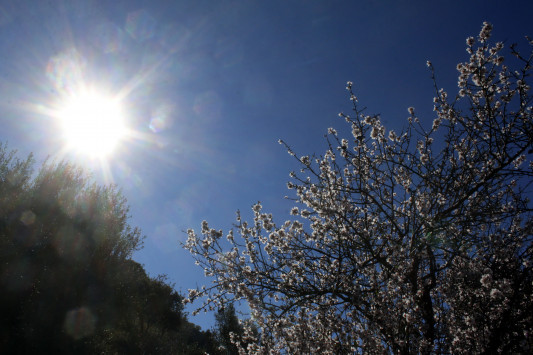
(68, 283)
(231, 333)
(227, 323)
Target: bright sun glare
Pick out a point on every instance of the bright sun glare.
(93, 124)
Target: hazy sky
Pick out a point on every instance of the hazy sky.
(209, 87)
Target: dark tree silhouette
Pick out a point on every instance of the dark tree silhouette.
(67, 281)
(227, 323)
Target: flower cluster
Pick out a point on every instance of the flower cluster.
(417, 241)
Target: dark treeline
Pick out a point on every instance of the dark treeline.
(67, 280)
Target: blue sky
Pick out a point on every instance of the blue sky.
(210, 86)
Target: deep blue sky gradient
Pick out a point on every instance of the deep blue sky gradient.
(210, 86)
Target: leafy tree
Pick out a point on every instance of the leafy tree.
(67, 281)
(194, 341)
(147, 314)
(61, 237)
(226, 324)
(403, 242)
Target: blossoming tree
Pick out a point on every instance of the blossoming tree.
(402, 242)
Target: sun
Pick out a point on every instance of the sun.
(92, 123)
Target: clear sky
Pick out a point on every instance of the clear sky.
(208, 87)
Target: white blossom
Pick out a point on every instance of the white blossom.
(415, 241)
